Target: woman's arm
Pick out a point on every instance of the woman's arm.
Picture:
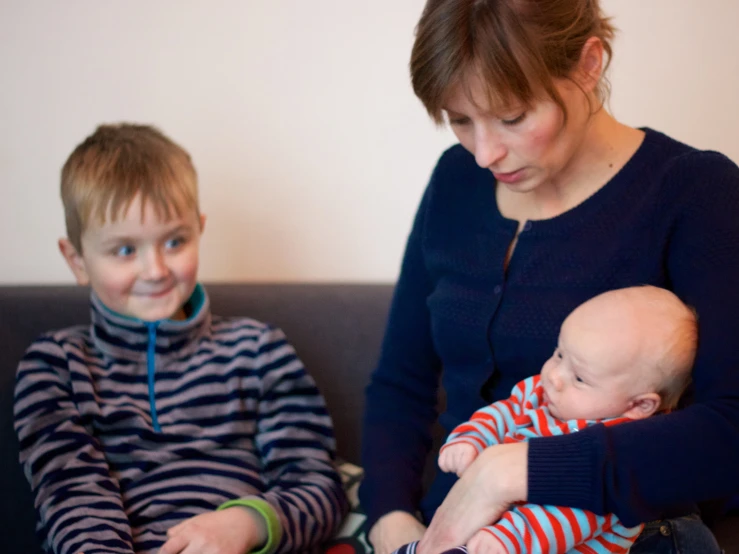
(642, 470)
(402, 395)
(494, 481)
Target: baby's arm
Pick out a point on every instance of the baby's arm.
(534, 528)
(78, 501)
(487, 427)
(456, 457)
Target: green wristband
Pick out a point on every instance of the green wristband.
(274, 528)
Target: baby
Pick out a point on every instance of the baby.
(623, 355)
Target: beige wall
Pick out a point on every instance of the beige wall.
(311, 148)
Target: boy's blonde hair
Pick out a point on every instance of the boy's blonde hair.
(116, 164)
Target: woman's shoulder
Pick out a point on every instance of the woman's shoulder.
(682, 161)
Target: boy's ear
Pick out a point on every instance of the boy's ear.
(74, 261)
(643, 406)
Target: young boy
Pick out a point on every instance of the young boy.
(623, 355)
(134, 429)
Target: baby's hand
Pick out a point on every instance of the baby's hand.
(483, 542)
(456, 458)
(234, 530)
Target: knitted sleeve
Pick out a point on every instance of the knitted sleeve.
(402, 393)
(645, 469)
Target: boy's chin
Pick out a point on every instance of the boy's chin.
(151, 314)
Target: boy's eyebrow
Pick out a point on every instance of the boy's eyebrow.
(124, 238)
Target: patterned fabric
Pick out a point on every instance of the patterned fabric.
(351, 537)
(127, 428)
(530, 528)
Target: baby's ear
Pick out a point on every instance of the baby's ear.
(643, 406)
(74, 261)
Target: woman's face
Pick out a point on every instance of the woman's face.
(525, 147)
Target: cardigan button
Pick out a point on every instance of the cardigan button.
(497, 289)
(664, 530)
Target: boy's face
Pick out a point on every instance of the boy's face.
(598, 371)
(142, 268)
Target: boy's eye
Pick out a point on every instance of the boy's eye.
(124, 251)
(515, 120)
(173, 243)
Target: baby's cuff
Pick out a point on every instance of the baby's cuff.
(274, 528)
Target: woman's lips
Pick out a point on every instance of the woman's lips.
(510, 178)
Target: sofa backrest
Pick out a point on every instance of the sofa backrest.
(335, 328)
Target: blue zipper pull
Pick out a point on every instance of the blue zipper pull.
(150, 367)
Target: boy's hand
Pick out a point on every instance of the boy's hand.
(235, 530)
(456, 458)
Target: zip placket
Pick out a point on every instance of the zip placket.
(150, 367)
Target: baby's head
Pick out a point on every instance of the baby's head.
(624, 353)
(133, 221)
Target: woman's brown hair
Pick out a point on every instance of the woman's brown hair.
(516, 47)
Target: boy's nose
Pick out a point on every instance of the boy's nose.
(155, 267)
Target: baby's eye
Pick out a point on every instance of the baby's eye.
(579, 379)
(557, 354)
(124, 251)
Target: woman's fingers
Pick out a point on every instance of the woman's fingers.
(394, 530)
(496, 479)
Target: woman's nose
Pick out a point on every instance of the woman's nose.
(489, 149)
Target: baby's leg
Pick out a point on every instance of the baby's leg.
(411, 549)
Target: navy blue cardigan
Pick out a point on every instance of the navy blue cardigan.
(669, 218)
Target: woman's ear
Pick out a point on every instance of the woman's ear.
(74, 260)
(643, 406)
(590, 65)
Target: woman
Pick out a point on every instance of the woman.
(547, 202)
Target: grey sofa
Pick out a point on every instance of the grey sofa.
(336, 329)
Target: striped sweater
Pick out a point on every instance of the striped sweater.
(127, 428)
(530, 528)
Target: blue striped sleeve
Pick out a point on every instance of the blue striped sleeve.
(296, 444)
(78, 502)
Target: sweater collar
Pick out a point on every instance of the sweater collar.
(127, 338)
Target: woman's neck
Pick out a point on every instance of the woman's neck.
(604, 147)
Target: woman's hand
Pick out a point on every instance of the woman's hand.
(496, 479)
(393, 530)
(234, 530)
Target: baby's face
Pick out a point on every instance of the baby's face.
(594, 372)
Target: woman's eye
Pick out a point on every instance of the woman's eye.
(579, 379)
(514, 120)
(458, 121)
(558, 354)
